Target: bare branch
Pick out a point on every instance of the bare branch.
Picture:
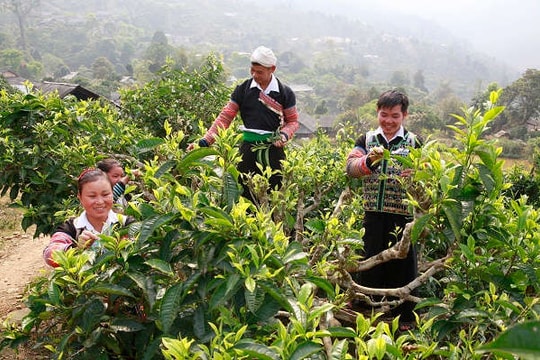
(398, 251)
(343, 197)
(403, 293)
(299, 225)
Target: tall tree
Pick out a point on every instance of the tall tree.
(522, 100)
(21, 9)
(420, 81)
(158, 51)
(103, 68)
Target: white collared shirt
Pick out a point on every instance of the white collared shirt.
(273, 86)
(82, 222)
(400, 132)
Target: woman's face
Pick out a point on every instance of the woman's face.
(96, 198)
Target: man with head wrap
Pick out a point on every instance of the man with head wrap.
(270, 119)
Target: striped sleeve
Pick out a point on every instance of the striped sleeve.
(60, 241)
(223, 121)
(118, 190)
(357, 163)
(291, 124)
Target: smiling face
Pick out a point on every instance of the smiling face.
(390, 120)
(96, 198)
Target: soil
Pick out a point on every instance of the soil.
(20, 262)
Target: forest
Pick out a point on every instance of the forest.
(205, 274)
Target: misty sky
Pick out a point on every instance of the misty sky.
(508, 30)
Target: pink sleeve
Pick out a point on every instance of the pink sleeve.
(290, 122)
(59, 241)
(223, 121)
(356, 163)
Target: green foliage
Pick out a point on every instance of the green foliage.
(524, 183)
(11, 58)
(181, 97)
(521, 340)
(422, 119)
(46, 142)
(5, 86)
(189, 264)
(491, 243)
(103, 68)
(513, 149)
(159, 51)
(204, 274)
(522, 100)
(16, 60)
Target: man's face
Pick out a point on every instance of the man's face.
(261, 74)
(390, 120)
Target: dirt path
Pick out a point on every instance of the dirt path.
(20, 263)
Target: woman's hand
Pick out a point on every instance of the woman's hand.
(86, 239)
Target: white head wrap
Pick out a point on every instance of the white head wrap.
(264, 56)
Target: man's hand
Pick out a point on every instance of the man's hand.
(202, 143)
(136, 172)
(125, 179)
(281, 142)
(376, 154)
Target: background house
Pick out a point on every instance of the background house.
(63, 89)
(309, 125)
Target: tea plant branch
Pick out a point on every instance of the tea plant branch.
(343, 198)
(303, 210)
(128, 158)
(403, 293)
(327, 340)
(398, 251)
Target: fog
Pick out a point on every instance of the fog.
(507, 30)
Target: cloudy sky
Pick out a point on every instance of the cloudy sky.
(506, 29)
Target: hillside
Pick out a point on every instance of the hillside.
(121, 30)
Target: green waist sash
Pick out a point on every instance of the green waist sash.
(252, 137)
